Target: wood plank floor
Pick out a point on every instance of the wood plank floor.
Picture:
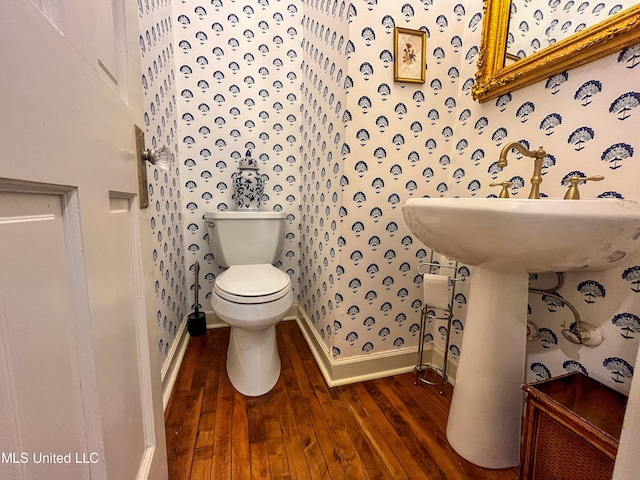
(379, 429)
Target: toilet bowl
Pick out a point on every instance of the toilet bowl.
(252, 299)
(251, 295)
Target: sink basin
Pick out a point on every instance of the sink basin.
(505, 240)
(546, 235)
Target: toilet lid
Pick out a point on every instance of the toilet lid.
(252, 283)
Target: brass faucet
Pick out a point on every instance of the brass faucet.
(574, 180)
(537, 155)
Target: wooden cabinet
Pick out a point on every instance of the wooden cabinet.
(571, 429)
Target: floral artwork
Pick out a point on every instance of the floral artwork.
(410, 46)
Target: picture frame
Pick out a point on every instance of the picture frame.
(410, 57)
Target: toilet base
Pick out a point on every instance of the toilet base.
(253, 362)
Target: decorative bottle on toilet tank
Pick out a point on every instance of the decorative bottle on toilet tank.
(248, 184)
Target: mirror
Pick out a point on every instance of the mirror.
(535, 25)
(495, 78)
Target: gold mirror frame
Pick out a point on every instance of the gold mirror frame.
(494, 79)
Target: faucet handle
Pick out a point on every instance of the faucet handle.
(574, 181)
(505, 188)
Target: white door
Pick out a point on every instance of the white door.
(79, 393)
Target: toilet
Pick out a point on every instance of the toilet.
(251, 295)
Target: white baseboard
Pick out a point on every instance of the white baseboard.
(174, 358)
(173, 361)
(335, 371)
(214, 322)
(365, 367)
(437, 356)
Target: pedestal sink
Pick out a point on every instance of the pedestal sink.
(505, 240)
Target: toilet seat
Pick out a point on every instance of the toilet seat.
(250, 284)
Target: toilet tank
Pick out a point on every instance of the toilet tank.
(245, 237)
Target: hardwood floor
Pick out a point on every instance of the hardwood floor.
(379, 429)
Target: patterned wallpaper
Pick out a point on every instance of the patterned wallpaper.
(165, 189)
(238, 83)
(324, 70)
(308, 87)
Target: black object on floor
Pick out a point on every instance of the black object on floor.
(196, 322)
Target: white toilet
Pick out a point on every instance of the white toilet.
(251, 295)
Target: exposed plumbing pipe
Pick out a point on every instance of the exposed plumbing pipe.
(579, 332)
(556, 287)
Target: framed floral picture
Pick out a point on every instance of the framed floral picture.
(409, 48)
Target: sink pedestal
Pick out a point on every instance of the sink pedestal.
(486, 409)
(504, 239)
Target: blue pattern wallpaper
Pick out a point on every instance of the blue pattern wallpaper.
(158, 79)
(308, 87)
